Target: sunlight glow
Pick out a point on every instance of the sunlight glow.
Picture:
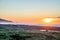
(48, 20)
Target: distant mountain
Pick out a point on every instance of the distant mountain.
(28, 27)
(3, 20)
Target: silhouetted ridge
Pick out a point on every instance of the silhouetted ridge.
(3, 20)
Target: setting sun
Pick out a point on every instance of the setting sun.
(47, 20)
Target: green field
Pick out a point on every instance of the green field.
(12, 34)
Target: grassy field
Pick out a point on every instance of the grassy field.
(10, 34)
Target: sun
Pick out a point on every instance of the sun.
(48, 20)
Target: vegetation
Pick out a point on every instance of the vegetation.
(10, 34)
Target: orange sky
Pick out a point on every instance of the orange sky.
(37, 20)
(29, 11)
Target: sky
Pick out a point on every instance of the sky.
(29, 10)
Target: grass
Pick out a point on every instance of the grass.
(10, 34)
